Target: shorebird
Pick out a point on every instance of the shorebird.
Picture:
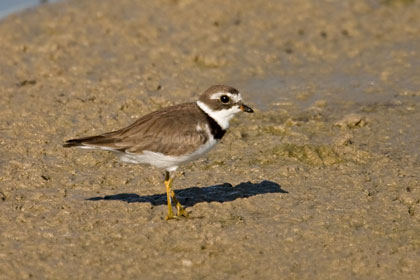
(172, 136)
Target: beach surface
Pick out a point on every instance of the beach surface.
(321, 182)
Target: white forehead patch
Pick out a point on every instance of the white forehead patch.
(235, 97)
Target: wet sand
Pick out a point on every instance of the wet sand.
(322, 182)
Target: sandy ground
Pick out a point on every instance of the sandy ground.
(322, 182)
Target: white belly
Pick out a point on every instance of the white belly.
(170, 163)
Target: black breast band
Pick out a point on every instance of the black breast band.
(215, 128)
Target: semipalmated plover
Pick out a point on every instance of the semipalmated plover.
(172, 136)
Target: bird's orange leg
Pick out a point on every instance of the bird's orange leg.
(180, 210)
(170, 195)
(168, 182)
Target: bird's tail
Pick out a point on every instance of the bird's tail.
(88, 141)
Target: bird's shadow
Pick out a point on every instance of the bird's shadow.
(191, 196)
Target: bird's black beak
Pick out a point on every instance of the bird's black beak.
(247, 109)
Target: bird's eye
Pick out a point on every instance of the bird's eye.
(224, 99)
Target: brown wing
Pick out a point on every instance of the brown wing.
(172, 131)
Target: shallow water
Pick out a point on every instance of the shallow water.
(373, 77)
(8, 7)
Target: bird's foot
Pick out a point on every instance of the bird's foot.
(170, 214)
(181, 212)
